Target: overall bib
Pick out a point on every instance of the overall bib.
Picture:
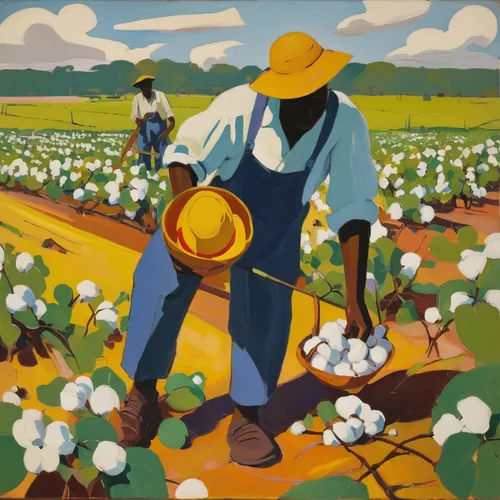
(148, 138)
(260, 311)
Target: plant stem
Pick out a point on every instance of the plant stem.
(92, 316)
(405, 448)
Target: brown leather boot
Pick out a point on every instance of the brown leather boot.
(249, 443)
(140, 418)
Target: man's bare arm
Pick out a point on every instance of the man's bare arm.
(354, 239)
(182, 177)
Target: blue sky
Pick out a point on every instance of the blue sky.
(264, 20)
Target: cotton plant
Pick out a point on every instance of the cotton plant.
(191, 489)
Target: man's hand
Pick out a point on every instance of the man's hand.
(359, 323)
(354, 239)
(163, 135)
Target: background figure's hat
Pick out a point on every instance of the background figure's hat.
(143, 78)
(207, 229)
(299, 65)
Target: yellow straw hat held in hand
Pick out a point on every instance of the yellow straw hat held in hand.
(143, 78)
(298, 67)
(206, 229)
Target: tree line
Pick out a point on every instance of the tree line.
(378, 78)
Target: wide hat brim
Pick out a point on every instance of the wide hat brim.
(203, 265)
(304, 82)
(142, 79)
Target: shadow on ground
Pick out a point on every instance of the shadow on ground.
(398, 399)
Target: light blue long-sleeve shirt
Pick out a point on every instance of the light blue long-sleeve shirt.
(213, 141)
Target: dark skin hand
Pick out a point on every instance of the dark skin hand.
(298, 116)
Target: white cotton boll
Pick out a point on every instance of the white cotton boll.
(395, 211)
(298, 428)
(74, 176)
(410, 262)
(110, 458)
(383, 182)
(393, 432)
(342, 324)
(379, 331)
(364, 411)
(399, 182)
(432, 315)
(371, 341)
(32, 414)
(476, 414)
(458, 163)
(78, 194)
(103, 400)
(86, 384)
(87, 290)
(28, 432)
(492, 297)
(399, 193)
(389, 170)
(191, 489)
(59, 437)
(329, 438)
(378, 356)
(371, 283)
(131, 214)
(385, 344)
(310, 344)
(356, 426)
(439, 170)
(492, 160)
(111, 187)
(332, 333)
(343, 432)
(374, 423)
(362, 367)
(346, 406)
(490, 143)
(419, 191)
(358, 350)
(446, 426)
(458, 299)
(134, 169)
(321, 236)
(62, 180)
(319, 362)
(492, 248)
(335, 357)
(377, 231)
(50, 459)
(492, 151)
(33, 459)
(478, 148)
(427, 214)
(324, 350)
(108, 162)
(471, 264)
(11, 398)
(343, 370)
(114, 198)
(39, 308)
(154, 201)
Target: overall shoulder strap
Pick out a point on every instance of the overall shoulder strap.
(332, 108)
(256, 121)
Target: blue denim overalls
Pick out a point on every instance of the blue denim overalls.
(260, 311)
(148, 138)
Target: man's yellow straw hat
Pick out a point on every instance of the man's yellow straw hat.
(298, 67)
(142, 78)
(207, 229)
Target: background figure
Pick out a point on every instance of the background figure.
(151, 111)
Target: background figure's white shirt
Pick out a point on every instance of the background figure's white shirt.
(214, 141)
(158, 102)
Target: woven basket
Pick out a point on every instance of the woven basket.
(349, 384)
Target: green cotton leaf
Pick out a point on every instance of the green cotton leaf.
(87, 350)
(185, 399)
(58, 316)
(414, 369)
(54, 191)
(53, 341)
(143, 477)
(40, 265)
(336, 256)
(478, 327)
(106, 376)
(96, 301)
(50, 394)
(13, 469)
(488, 471)
(481, 382)
(9, 413)
(309, 421)
(196, 377)
(407, 313)
(91, 431)
(395, 262)
(124, 296)
(456, 469)
(9, 334)
(323, 252)
(326, 411)
(173, 433)
(177, 380)
(65, 471)
(489, 279)
(124, 323)
(436, 227)
(444, 250)
(63, 294)
(446, 290)
(425, 288)
(84, 455)
(328, 488)
(27, 318)
(428, 264)
(10, 228)
(467, 237)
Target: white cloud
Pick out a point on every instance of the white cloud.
(435, 48)
(383, 14)
(229, 18)
(36, 38)
(206, 56)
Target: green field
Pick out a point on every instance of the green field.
(381, 112)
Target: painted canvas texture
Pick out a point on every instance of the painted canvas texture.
(249, 249)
